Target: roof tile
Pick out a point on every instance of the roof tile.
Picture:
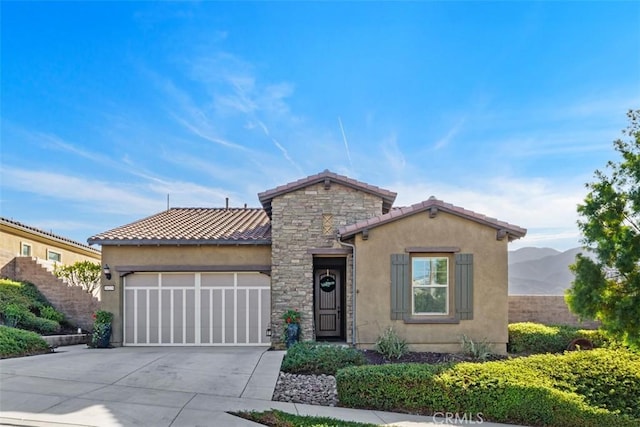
(193, 226)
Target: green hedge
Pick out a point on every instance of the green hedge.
(584, 388)
(532, 338)
(16, 342)
(311, 358)
(23, 306)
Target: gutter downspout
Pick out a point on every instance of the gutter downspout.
(353, 288)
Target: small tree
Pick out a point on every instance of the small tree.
(85, 274)
(608, 289)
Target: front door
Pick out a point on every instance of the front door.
(328, 289)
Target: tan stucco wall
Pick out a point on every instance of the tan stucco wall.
(118, 256)
(11, 240)
(490, 305)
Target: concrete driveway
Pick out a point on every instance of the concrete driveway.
(154, 386)
(158, 386)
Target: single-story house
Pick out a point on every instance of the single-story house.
(329, 246)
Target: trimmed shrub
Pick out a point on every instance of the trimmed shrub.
(532, 338)
(20, 302)
(588, 388)
(37, 324)
(16, 342)
(50, 313)
(311, 358)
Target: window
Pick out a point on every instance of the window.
(25, 249)
(430, 285)
(54, 256)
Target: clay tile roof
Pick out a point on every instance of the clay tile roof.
(28, 228)
(193, 226)
(512, 231)
(388, 197)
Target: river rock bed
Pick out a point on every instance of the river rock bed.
(309, 389)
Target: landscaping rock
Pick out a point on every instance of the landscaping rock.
(309, 389)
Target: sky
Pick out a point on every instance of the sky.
(503, 108)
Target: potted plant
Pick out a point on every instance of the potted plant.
(101, 329)
(291, 319)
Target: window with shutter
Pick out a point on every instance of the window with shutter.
(421, 287)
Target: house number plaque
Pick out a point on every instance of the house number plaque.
(109, 287)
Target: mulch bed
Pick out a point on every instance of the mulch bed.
(375, 358)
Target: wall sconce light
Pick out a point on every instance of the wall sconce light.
(268, 332)
(107, 271)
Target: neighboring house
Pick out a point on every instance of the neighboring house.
(327, 245)
(20, 240)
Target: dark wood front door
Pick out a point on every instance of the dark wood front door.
(328, 296)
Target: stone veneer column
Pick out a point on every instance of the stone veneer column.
(296, 227)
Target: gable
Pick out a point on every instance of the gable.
(431, 209)
(327, 178)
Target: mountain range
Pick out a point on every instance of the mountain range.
(541, 271)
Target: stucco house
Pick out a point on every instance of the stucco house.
(333, 248)
(21, 240)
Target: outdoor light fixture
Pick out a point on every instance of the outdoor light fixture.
(107, 271)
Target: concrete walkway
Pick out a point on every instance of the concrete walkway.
(157, 386)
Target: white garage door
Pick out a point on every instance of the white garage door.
(196, 309)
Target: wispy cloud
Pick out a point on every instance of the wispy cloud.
(393, 156)
(446, 140)
(89, 194)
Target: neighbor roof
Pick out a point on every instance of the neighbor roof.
(388, 197)
(46, 234)
(433, 205)
(193, 226)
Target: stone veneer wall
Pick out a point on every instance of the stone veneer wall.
(546, 309)
(296, 227)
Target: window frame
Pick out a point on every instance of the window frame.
(59, 256)
(24, 245)
(432, 257)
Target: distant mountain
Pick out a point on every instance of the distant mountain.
(541, 271)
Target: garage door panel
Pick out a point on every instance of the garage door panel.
(196, 308)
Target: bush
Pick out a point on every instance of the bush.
(50, 313)
(19, 303)
(583, 388)
(531, 338)
(15, 342)
(390, 345)
(14, 314)
(312, 358)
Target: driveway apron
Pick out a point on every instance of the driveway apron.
(131, 385)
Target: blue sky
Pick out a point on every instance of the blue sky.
(504, 108)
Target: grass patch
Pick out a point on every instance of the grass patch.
(275, 418)
(16, 342)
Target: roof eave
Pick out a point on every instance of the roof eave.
(177, 242)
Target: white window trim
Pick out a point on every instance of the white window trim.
(447, 286)
(49, 252)
(26, 245)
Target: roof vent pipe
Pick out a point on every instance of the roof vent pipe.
(226, 203)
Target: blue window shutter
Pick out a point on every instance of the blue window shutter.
(400, 292)
(464, 286)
